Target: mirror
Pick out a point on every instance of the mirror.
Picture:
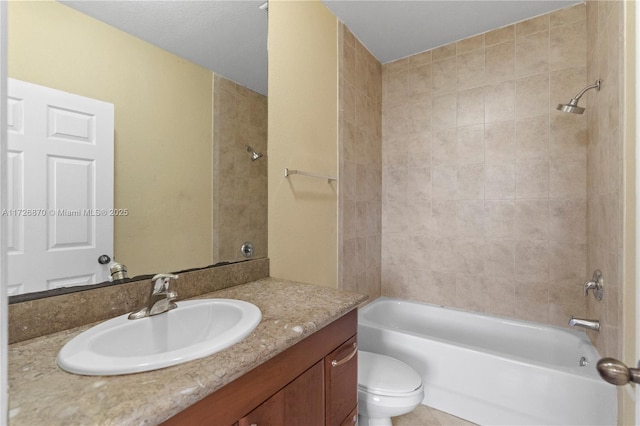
(186, 139)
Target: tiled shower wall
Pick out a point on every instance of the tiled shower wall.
(605, 195)
(240, 184)
(360, 174)
(484, 182)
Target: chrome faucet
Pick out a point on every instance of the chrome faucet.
(160, 298)
(585, 323)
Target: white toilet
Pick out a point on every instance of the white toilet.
(387, 387)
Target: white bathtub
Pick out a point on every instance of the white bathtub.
(492, 370)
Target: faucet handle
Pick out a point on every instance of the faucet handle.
(161, 282)
(596, 285)
(157, 276)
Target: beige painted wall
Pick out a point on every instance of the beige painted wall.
(163, 116)
(303, 120)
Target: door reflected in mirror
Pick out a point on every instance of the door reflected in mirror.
(182, 171)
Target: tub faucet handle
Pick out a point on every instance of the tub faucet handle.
(596, 285)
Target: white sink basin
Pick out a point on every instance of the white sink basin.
(195, 329)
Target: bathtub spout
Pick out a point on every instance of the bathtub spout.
(585, 323)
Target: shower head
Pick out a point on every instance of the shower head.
(572, 105)
(254, 155)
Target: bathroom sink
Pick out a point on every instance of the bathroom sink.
(195, 329)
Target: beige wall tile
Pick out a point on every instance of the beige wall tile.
(501, 296)
(532, 299)
(499, 142)
(567, 220)
(470, 107)
(470, 69)
(532, 219)
(421, 59)
(531, 261)
(568, 177)
(470, 219)
(469, 256)
(500, 181)
(532, 178)
(444, 147)
(444, 182)
(567, 134)
(533, 25)
(444, 75)
(499, 35)
(470, 182)
(471, 292)
(499, 101)
(567, 262)
(419, 183)
(419, 117)
(565, 300)
(396, 89)
(470, 144)
(568, 46)
(532, 137)
(419, 212)
(499, 219)
(442, 289)
(443, 255)
(500, 61)
(443, 112)
(532, 95)
(419, 82)
(532, 54)
(443, 52)
(469, 44)
(499, 259)
(444, 218)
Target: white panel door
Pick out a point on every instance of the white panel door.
(60, 201)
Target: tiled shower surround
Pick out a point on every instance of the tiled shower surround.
(484, 183)
(360, 175)
(239, 120)
(605, 194)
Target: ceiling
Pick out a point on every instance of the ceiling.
(229, 37)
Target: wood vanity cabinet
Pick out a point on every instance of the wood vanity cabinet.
(313, 383)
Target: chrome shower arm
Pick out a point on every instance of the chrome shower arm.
(596, 85)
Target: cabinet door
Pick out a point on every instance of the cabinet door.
(341, 373)
(301, 402)
(352, 418)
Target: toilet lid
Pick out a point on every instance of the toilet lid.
(381, 374)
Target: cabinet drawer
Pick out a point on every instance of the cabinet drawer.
(341, 373)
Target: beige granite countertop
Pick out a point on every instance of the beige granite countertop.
(41, 393)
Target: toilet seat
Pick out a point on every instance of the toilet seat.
(386, 376)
